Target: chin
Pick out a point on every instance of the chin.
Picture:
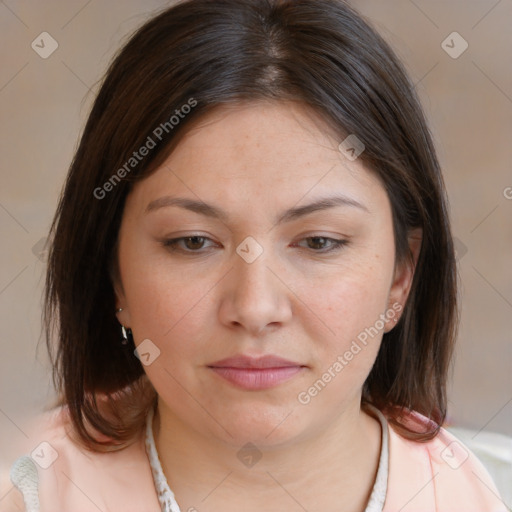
(260, 424)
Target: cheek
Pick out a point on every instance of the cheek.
(167, 307)
(171, 311)
(350, 307)
(163, 299)
(352, 300)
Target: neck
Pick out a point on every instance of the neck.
(335, 465)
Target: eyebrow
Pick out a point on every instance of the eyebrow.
(289, 215)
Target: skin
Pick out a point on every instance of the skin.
(255, 161)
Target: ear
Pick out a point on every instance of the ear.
(123, 316)
(404, 273)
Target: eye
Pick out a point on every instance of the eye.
(321, 241)
(192, 243)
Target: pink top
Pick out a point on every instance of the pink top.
(440, 475)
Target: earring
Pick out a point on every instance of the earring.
(127, 336)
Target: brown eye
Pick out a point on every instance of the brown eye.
(318, 244)
(190, 243)
(194, 242)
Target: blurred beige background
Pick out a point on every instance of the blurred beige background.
(468, 98)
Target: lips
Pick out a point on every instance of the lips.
(242, 361)
(256, 373)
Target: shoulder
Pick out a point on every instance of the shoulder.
(72, 478)
(441, 475)
(20, 476)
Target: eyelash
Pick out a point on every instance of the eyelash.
(171, 244)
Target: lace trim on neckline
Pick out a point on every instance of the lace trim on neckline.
(163, 491)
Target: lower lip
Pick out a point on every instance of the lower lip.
(257, 378)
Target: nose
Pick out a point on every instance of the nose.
(255, 296)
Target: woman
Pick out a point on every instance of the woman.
(252, 279)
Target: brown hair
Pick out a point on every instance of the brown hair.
(318, 52)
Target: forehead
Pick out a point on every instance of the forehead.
(267, 151)
(261, 137)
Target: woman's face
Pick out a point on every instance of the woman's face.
(256, 272)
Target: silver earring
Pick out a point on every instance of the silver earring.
(119, 310)
(127, 336)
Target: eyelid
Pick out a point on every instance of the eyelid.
(172, 242)
(336, 243)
